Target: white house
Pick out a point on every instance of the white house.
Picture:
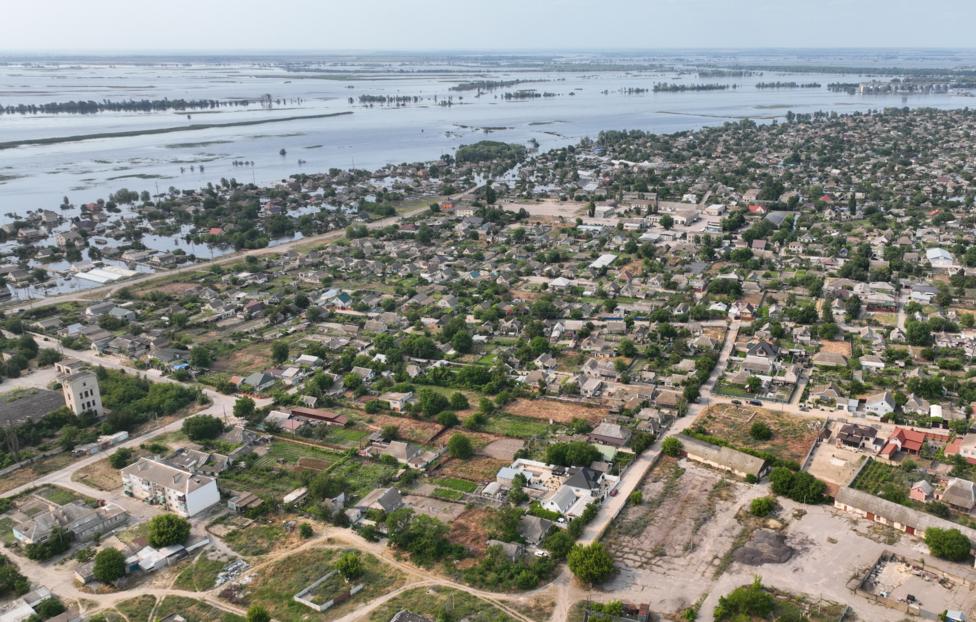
(81, 393)
(180, 491)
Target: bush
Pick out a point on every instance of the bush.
(305, 531)
(572, 453)
(636, 498)
(671, 446)
(760, 431)
(350, 565)
(745, 603)
(58, 542)
(257, 613)
(591, 564)
(168, 529)
(203, 427)
(763, 506)
(109, 565)
(948, 544)
(121, 458)
(48, 608)
(459, 446)
(12, 583)
(797, 485)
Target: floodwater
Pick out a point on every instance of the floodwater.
(585, 102)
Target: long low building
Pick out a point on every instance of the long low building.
(724, 458)
(906, 519)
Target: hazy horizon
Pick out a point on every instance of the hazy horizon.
(185, 26)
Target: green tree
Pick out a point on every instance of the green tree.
(257, 613)
(763, 506)
(279, 352)
(109, 565)
(202, 427)
(244, 408)
(201, 357)
(121, 458)
(459, 446)
(671, 446)
(948, 544)
(350, 565)
(591, 564)
(760, 431)
(754, 384)
(667, 221)
(168, 529)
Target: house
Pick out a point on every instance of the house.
(383, 499)
(610, 434)
(323, 416)
(591, 387)
(561, 500)
(724, 458)
(534, 529)
(880, 404)
(921, 491)
(856, 436)
(259, 381)
(36, 520)
(180, 491)
(959, 494)
(398, 401)
(81, 393)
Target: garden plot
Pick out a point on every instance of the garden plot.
(445, 511)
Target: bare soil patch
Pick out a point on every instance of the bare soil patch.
(445, 511)
(503, 449)
(558, 411)
(836, 347)
(469, 530)
(421, 432)
(477, 469)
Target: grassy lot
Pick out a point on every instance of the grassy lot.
(456, 484)
(200, 575)
(62, 496)
(448, 494)
(291, 453)
(277, 473)
(257, 539)
(435, 601)
(363, 475)
(137, 609)
(275, 585)
(792, 436)
(193, 610)
(516, 427)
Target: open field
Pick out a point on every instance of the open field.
(193, 610)
(274, 585)
(792, 436)
(547, 208)
(556, 410)
(470, 530)
(436, 601)
(477, 469)
(440, 509)
(243, 361)
(685, 521)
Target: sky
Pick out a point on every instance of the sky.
(226, 25)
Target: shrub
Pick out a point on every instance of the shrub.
(168, 529)
(257, 613)
(350, 565)
(671, 446)
(572, 453)
(636, 498)
(109, 565)
(745, 603)
(121, 458)
(948, 544)
(763, 506)
(305, 531)
(591, 564)
(203, 427)
(760, 431)
(798, 485)
(459, 446)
